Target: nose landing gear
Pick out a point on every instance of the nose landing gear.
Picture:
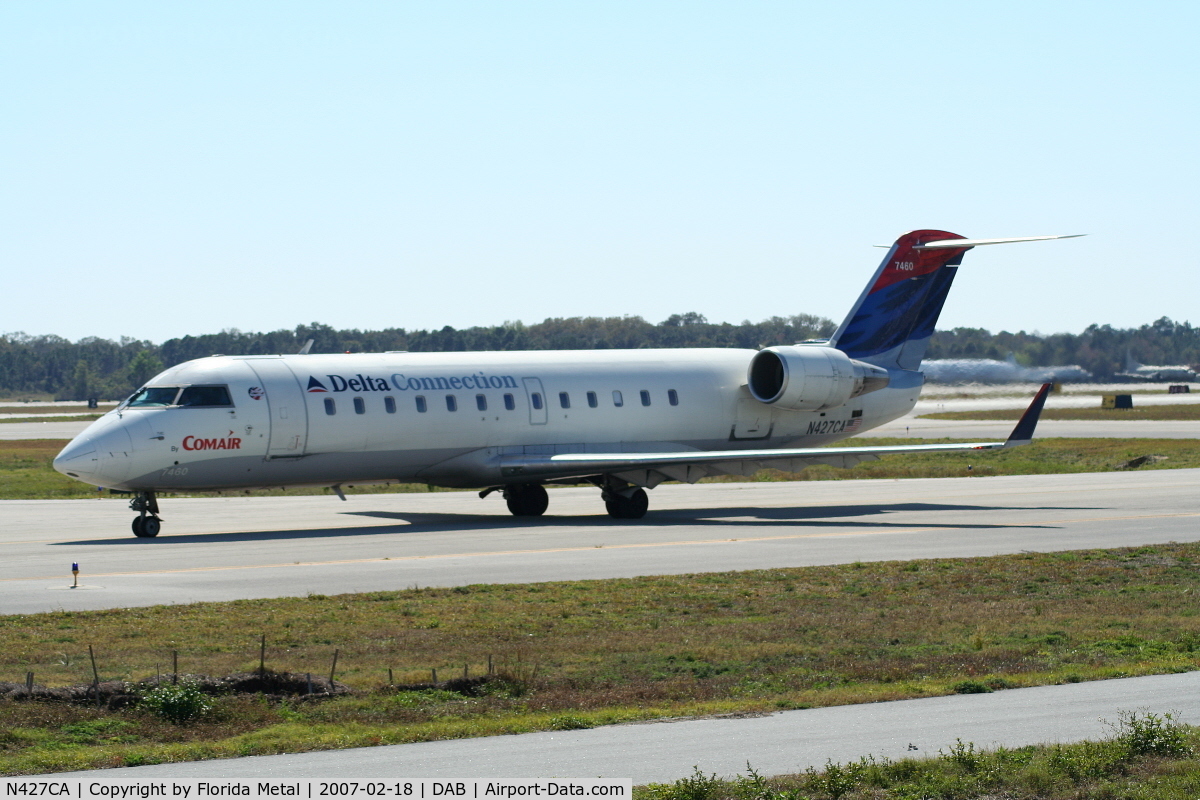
(146, 524)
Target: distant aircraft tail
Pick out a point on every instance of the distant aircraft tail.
(892, 321)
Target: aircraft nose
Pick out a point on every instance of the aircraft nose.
(101, 459)
(78, 458)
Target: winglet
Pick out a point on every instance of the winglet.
(1023, 433)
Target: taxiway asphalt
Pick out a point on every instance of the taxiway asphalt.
(231, 548)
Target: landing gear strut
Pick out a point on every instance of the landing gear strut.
(526, 499)
(146, 524)
(622, 500)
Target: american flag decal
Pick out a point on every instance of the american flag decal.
(853, 425)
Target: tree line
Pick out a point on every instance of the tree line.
(94, 367)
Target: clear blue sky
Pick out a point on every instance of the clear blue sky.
(179, 168)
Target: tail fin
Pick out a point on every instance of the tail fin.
(892, 321)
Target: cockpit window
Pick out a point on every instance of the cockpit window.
(154, 396)
(197, 396)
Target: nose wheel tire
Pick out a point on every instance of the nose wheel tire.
(146, 524)
(146, 527)
(632, 507)
(527, 499)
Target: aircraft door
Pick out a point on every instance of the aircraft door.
(285, 401)
(537, 400)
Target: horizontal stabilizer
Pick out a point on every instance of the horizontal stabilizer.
(946, 244)
(1023, 433)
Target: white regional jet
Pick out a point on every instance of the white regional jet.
(623, 420)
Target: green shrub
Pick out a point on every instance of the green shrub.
(697, 786)
(836, 780)
(569, 723)
(971, 687)
(964, 755)
(1151, 734)
(178, 703)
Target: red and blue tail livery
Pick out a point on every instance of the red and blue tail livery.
(892, 321)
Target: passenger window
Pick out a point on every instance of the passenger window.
(509, 402)
(618, 400)
(204, 396)
(451, 403)
(330, 406)
(593, 401)
(421, 407)
(360, 406)
(154, 396)
(673, 397)
(481, 402)
(564, 399)
(389, 405)
(536, 399)
(645, 397)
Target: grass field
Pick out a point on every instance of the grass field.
(585, 653)
(1190, 411)
(26, 474)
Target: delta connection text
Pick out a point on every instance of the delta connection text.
(405, 383)
(414, 789)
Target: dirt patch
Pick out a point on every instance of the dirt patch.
(121, 694)
(271, 685)
(1141, 461)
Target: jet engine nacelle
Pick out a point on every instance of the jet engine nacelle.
(810, 377)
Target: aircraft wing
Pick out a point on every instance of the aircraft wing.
(650, 469)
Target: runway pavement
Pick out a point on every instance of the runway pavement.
(229, 548)
(775, 744)
(42, 429)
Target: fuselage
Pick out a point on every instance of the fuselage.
(417, 417)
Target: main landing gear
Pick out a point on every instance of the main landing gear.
(630, 506)
(146, 524)
(622, 500)
(526, 499)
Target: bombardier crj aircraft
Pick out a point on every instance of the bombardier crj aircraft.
(622, 420)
